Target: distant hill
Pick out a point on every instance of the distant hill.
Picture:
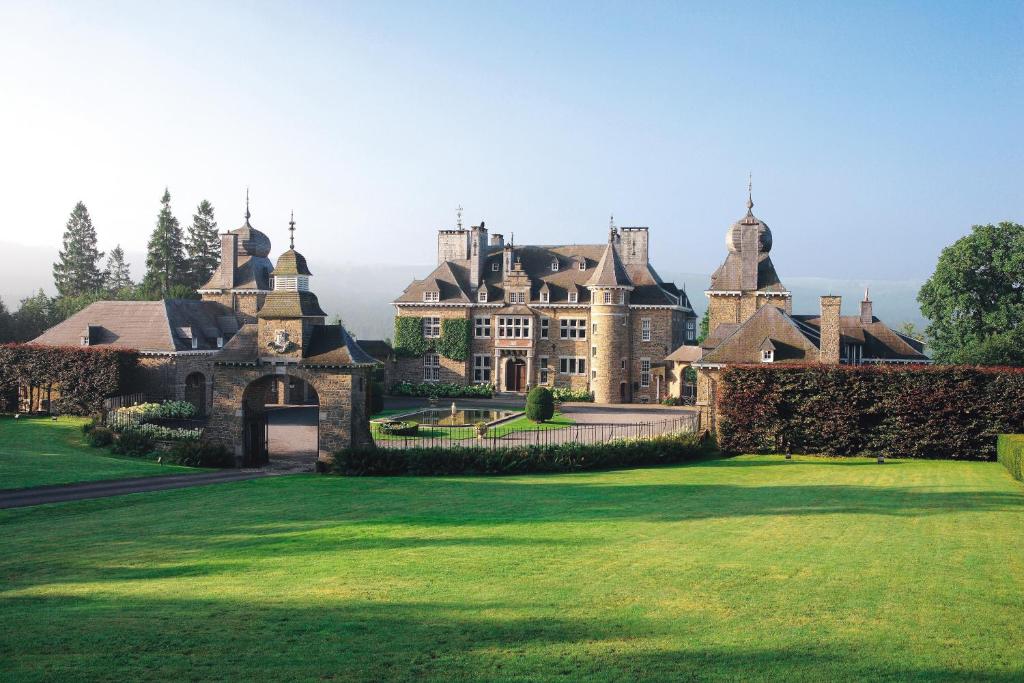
(361, 294)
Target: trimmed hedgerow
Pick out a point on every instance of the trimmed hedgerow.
(1010, 452)
(904, 411)
(566, 394)
(200, 454)
(442, 390)
(81, 377)
(570, 457)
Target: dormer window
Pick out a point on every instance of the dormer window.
(495, 267)
(554, 265)
(545, 297)
(767, 356)
(84, 341)
(583, 264)
(220, 342)
(432, 296)
(195, 342)
(481, 296)
(517, 298)
(574, 297)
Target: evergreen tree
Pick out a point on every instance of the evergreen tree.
(35, 315)
(202, 246)
(165, 258)
(6, 324)
(77, 270)
(117, 276)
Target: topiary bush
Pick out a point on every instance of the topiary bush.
(1010, 453)
(540, 405)
(568, 457)
(397, 428)
(133, 442)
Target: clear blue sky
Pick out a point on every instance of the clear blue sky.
(876, 133)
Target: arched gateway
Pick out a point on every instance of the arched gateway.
(290, 358)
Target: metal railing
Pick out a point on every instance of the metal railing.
(504, 437)
(115, 402)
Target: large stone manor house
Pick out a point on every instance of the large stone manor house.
(592, 317)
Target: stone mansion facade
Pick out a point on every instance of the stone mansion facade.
(592, 317)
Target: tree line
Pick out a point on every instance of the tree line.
(178, 262)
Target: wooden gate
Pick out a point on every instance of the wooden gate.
(256, 454)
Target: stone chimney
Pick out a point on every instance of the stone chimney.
(228, 260)
(478, 254)
(867, 315)
(828, 349)
(498, 240)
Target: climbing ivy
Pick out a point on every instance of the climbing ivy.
(454, 341)
(409, 339)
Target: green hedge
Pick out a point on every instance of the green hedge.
(442, 390)
(900, 411)
(1010, 452)
(571, 457)
(572, 395)
(82, 377)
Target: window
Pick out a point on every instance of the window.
(691, 330)
(545, 297)
(544, 328)
(593, 374)
(645, 329)
(481, 296)
(583, 264)
(607, 297)
(768, 356)
(432, 296)
(554, 265)
(574, 297)
(495, 266)
(220, 342)
(622, 364)
(513, 327)
(517, 298)
(481, 369)
(572, 366)
(593, 351)
(195, 342)
(573, 328)
(645, 372)
(593, 328)
(431, 328)
(482, 327)
(543, 362)
(622, 296)
(431, 367)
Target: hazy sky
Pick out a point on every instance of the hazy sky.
(876, 132)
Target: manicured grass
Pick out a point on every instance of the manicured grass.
(39, 451)
(519, 424)
(751, 568)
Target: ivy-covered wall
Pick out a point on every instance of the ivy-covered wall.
(452, 344)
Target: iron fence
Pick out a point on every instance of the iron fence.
(503, 437)
(115, 402)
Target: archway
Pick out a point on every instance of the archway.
(281, 423)
(195, 391)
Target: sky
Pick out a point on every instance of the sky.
(876, 133)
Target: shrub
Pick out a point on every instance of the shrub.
(568, 457)
(397, 428)
(195, 453)
(1010, 452)
(376, 397)
(176, 410)
(133, 442)
(141, 413)
(540, 405)
(100, 436)
(443, 390)
(670, 401)
(915, 411)
(563, 394)
(160, 433)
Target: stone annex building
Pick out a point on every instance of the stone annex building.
(751, 320)
(593, 317)
(258, 337)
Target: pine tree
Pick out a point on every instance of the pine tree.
(165, 258)
(77, 270)
(117, 276)
(202, 246)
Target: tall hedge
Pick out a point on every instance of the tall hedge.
(1010, 452)
(901, 411)
(81, 377)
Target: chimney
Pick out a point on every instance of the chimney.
(498, 240)
(828, 348)
(478, 254)
(867, 315)
(228, 260)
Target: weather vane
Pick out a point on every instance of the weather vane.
(458, 217)
(291, 229)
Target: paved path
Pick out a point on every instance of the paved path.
(41, 495)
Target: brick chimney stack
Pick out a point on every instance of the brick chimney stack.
(867, 315)
(828, 349)
(228, 260)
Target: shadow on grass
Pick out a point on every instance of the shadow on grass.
(176, 639)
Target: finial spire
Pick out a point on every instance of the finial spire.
(247, 214)
(458, 217)
(866, 298)
(611, 227)
(291, 229)
(750, 193)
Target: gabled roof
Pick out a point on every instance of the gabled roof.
(163, 326)
(610, 272)
(879, 340)
(329, 345)
(449, 279)
(379, 349)
(687, 353)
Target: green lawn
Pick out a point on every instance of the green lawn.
(37, 452)
(519, 424)
(745, 569)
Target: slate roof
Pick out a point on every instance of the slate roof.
(164, 326)
(290, 304)
(253, 267)
(377, 348)
(610, 272)
(329, 345)
(747, 266)
(452, 278)
(687, 353)
(797, 338)
(292, 263)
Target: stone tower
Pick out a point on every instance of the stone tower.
(242, 280)
(747, 279)
(610, 288)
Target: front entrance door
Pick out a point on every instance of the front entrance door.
(623, 392)
(515, 376)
